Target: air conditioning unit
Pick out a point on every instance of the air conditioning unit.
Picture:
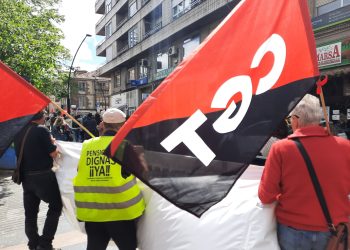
(172, 51)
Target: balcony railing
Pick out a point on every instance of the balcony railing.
(188, 8)
(100, 42)
(122, 22)
(122, 50)
(153, 30)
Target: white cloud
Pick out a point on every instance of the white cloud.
(80, 19)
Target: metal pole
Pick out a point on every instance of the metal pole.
(70, 71)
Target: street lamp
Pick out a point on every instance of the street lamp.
(70, 71)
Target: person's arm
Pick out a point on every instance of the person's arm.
(48, 142)
(269, 188)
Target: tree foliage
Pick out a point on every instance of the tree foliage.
(30, 42)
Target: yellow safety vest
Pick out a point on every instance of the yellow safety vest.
(101, 194)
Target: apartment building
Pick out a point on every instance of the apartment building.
(89, 92)
(331, 24)
(146, 39)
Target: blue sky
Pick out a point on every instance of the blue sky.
(80, 20)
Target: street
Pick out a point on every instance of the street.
(12, 236)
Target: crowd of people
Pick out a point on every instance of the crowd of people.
(64, 129)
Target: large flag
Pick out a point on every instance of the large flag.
(209, 118)
(19, 101)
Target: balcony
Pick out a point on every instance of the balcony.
(123, 49)
(100, 26)
(100, 7)
(100, 42)
(121, 22)
(152, 30)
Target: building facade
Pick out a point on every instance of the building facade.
(331, 24)
(89, 92)
(146, 39)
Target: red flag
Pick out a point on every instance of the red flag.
(19, 102)
(209, 118)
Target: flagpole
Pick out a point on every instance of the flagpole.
(320, 82)
(324, 110)
(73, 119)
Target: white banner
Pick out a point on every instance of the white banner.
(239, 221)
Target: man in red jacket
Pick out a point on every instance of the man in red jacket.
(301, 222)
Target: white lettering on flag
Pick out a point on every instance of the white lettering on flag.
(224, 124)
(186, 133)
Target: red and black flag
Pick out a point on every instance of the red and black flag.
(19, 101)
(210, 117)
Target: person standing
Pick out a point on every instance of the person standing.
(39, 182)
(285, 179)
(61, 130)
(91, 125)
(107, 197)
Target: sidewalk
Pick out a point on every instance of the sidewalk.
(12, 236)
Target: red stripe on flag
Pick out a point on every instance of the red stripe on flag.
(19, 98)
(228, 52)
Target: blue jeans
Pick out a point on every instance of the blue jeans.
(293, 239)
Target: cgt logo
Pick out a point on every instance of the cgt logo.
(186, 133)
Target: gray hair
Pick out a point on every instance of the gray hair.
(308, 110)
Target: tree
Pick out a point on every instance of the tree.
(30, 41)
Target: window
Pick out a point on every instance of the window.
(143, 68)
(131, 74)
(187, 5)
(132, 8)
(108, 29)
(180, 7)
(108, 5)
(82, 86)
(133, 36)
(162, 61)
(116, 80)
(82, 101)
(190, 45)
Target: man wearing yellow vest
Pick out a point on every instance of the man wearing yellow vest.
(107, 197)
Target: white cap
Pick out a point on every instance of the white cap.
(113, 115)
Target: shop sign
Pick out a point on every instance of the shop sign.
(331, 18)
(163, 73)
(329, 54)
(334, 54)
(336, 115)
(138, 82)
(118, 100)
